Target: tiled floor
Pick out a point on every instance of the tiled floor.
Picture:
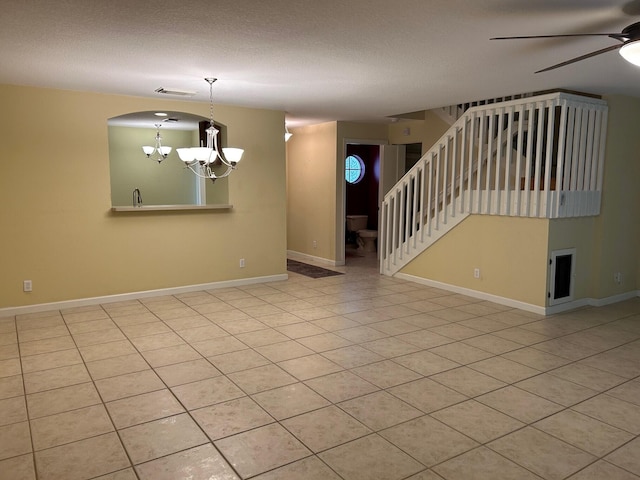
(350, 377)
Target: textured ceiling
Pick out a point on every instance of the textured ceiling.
(318, 60)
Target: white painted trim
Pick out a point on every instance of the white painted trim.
(563, 307)
(303, 257)
(81, 302)
(473, 293)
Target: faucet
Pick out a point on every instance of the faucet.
(137, 198)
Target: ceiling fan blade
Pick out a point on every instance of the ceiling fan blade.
(582, 57)
(612, 35)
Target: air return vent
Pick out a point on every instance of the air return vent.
(175, 91)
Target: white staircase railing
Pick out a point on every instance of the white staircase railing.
(450, 114)
(536, 157)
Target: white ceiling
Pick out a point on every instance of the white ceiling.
(318, 60)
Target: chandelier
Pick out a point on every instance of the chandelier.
(162, 152)
(200, 160)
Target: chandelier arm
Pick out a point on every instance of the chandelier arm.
(197, 173)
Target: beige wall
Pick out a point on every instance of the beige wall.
(56, 224)
(617, 229)
(427, 131)
(501, 247)
(311, 190)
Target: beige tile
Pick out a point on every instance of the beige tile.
(246, 451)
(127, 474)
(310, 468)
(244, 325)
(520, 404)
(12, 410)
(521, 336)
(370, 457)
(556, 389)
(207, 392)
(603, 470)
(584, 432)
(332, 324)
(11, 338)
(536, 359)
(84, 459)
(43, 333)
(482, 464)
(613, 411)
(341, 386)
(492, 344)
(425, 339)
(61, 400)
(361, 334)
(143, 408)
(428, 440)
(99, 337)
(70, 426)
(627, 457)
(460, 353)
(541, 453)
(503, 369)
(467, 381)
(426, 363)
(9, 351)
(237, 361)
(161, 437)
(184, 323)
(186, 372)
(477, 421)
(10, 367)
(200, 334)
(629, 392)
(425, 475)
(259, 338)
(47, 345)
(18, 468)
(391, 347)
(15, 439)
(135, 319)
(55, 378)
(157, 341)
(456, 331)
(588, 376)
(46, 361)
(231, 417)
(290, 400)
(44, 322)
(170, 355)
(115, 388)
(94, 353)
(353, 356)
(324, 341)
(427, 395)
(144, 329)
(379, 410)
(91, 326)
(563, 348)
(305, 368)
(325, 428)
(94, 313)
(116, 366)
(199, 462)
(11, 386)
(298, 330)
(218, 346)
(386, 374)
(279, 352)
(260, 379)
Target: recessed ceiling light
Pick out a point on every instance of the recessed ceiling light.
(160, 114)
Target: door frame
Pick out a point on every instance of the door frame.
(341, 195)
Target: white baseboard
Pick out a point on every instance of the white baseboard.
(303, 257)
(82, 302)
(563, 307)
(474, 293)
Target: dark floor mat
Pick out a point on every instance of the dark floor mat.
(310, 270)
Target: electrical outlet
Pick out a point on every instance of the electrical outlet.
(617, 278)
(315, 244)
(242, 263)
(476, 273)
(27, 286)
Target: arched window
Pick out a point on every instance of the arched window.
(353, 169)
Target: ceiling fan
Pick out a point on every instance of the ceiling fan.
(629, 47)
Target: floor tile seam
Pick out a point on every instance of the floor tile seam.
(313, 455)
(22, 342)
(600, 457)
(600, 419)
(471, 397)
(625, 380)
(458, 402)
(207, 442)
(66, 443)
(100, 402)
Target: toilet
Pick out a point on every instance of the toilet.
(366, 238)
